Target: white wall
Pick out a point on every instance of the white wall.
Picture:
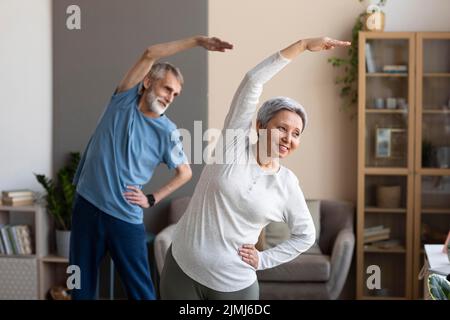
(25, 92)
(417, 15)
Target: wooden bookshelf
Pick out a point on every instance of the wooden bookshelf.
(425, 188)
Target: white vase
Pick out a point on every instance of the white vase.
(63, 243)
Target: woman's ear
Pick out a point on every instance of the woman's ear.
(258, 126)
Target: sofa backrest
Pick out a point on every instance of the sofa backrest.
(177, 208)
(335, 215)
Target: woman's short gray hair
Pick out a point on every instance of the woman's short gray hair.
(272, 106)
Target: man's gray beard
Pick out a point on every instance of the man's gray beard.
(154, 105)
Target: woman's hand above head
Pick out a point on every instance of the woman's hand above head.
(324, 43)
(313, 44)
(249, 254)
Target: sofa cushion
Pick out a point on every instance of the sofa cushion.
(304, 268)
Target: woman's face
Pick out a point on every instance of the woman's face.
(283, 133)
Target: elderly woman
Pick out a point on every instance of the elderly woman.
(213, 255)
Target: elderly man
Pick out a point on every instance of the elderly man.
(132, 137)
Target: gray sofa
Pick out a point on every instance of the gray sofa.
(316, 274)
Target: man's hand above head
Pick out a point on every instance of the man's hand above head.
(214, 44)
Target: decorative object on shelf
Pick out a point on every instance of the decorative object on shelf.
(374, 19)
(379, 103)
(383, 143)
(443, 157)
(428, 154)
(391, 103)
(388, 196)
(59, 199)
(59, 293)
(401, 104)
(390, 143)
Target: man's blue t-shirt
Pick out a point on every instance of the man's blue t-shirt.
(124, 150)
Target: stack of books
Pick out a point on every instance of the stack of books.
(376, 234)
(395, 68)
(23, 197)
(15, 240)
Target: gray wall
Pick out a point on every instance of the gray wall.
(89, 63)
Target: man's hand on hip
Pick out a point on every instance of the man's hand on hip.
(136, 196)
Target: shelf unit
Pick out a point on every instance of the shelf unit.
(432, 175)
(19, 277)
(24, 277)
(390, 154)
(376, 168)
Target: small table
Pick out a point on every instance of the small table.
(435, 261)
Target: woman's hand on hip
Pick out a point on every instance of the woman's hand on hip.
(136, 196)
(249, 254)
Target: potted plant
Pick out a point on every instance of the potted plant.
(438, 287)
(349, 80)
(59, 199)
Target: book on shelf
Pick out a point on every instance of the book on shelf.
(376, 238)
(2, 247)
(370, 63)
(15, 240)
(18, 201)
(388, 244)
(395, 69)
(5, 240)
(17, 193)
(376, 233)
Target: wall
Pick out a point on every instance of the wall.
(89, 63)
(326, 160)
(417, 15)
(326, 157)
(25, 92)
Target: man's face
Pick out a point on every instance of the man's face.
(161, 93)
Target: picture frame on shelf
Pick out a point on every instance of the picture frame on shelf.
(390, 143)
(383, 143)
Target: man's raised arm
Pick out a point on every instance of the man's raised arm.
(151, 54)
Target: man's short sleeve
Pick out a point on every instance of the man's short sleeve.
(174, 154)
(124, 98)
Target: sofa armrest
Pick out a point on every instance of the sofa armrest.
(163, 241)
(341, 258)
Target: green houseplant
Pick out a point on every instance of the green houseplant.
(59, 200)
(348, 82)
(438, 287)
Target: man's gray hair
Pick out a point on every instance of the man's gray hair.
(272, 106)
(159, 70)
